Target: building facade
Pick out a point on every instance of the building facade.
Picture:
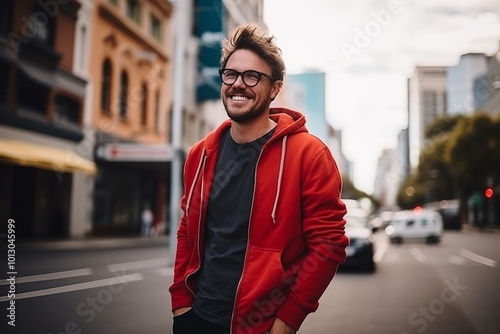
(131, 71)
(43, 167)
(464, 80)
(492, 87)
(426, 102)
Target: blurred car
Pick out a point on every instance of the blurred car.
(419, 224)
(361, 249)
(381, 220)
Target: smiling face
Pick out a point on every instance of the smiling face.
(245, 104)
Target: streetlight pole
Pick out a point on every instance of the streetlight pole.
(176, 126)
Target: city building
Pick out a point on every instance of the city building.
(213, 20)
(426, 102)
(335, 144)
(131, 77)
(464, 80)
(387, 179)
(492, 85)
(306, 92)
(44, 166)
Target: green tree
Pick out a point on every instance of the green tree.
(349, 190)
(473, 150)
(432, 179)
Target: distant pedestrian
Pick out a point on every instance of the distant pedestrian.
(147, 222)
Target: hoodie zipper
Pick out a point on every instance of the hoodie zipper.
(248, 242)
(199, 224)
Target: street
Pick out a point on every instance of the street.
(417, 288)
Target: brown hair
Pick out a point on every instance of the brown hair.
(252, 37)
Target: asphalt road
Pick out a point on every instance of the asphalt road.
(417, 288)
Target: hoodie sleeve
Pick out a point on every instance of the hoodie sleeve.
(323, 228)
(181, 295)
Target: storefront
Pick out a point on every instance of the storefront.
(131, 177)
(39, 187)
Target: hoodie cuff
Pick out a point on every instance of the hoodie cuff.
(293, 312)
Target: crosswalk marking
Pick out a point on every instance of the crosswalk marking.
(51, 276)
(143, 264)
(478, 258)
(77, 287)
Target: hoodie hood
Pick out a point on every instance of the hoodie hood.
(288, 121)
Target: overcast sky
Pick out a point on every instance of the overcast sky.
(369, 48)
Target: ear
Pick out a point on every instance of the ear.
(275, 89)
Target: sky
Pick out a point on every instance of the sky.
(368, 49)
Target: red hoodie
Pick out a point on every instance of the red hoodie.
(296, 237)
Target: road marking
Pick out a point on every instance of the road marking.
(166, 271)
(160, 262)
(453, 259)
(77, 287)
(478, 258)
(380, 251)
(51, 276)
(417, 254)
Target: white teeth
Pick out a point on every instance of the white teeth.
(238, 98)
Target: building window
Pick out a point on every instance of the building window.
(106, 86)
(42, 26)
(82, 54)
(123, 94)
(157, 112)
(67, 110)
(5, 17)
(430, 107)
(5, 82)
(32, 97)
(155, 28)
(144, 104)
(134, 10)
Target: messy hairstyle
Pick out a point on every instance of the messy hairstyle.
(252, 37)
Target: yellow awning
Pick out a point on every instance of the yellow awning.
(45, 157)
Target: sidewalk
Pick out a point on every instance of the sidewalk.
(93, 243)
(486, 229)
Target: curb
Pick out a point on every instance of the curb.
(93, 243)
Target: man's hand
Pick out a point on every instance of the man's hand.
(181, 310)
(279, 327)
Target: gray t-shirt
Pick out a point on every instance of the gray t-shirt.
(228, 213)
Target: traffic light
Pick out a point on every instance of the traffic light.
(488, 192)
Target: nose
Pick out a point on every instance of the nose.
(239, 81)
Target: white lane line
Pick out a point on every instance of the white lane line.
(160, 262)
(417, 254)
(166, 271)
(51, 276)
(77, 287)
(453, 259)
(380, 251)
(478, 258)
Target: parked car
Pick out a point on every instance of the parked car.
(361, 249)
(419, 224)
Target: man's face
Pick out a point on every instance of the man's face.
(245, 104)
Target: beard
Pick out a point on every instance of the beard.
(247, 116)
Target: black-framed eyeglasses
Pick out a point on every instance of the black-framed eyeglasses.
(250, 78)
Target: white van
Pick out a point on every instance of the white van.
(419, 224)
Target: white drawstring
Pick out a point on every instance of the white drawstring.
(280, 176)
(193, 185)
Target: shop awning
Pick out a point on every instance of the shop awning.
(46, 157)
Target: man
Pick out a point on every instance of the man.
(262, 230)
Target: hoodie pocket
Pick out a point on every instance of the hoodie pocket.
(264, 279)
